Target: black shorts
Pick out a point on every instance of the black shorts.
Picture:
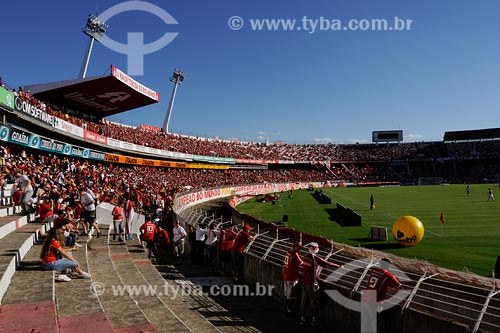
(88, 216)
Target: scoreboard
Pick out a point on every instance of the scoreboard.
(387, 136)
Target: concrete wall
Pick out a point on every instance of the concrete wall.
(342, 319)
(103, 214)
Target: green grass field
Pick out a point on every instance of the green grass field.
(469, 240)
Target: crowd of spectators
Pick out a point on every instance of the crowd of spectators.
(474, 150)
(339, 162)
(259, 151)
(271, 151)
(60, 177)
(240, 149)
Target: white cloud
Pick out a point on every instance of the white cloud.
(414, 137)
(323, 140)
(353, 141)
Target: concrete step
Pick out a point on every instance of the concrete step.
(10, 223)
(5, 192)
(28, 305)
(9, 210)
(6, 201)
(121, 310)
(147, 296)
(13, 248)
(78, 309)
(179, 303)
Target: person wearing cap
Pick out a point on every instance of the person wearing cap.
(291, 264)
(243, 237)
(310, 288)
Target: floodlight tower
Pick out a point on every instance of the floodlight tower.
(95, 29)
(177, 78)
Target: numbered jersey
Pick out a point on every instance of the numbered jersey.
(148, 231)
(291, 265)
(381, 281)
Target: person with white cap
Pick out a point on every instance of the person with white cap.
(310, 287)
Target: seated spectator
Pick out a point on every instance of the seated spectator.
(69, 234)
(55, 257)
(15, 193)
(45, 211)
(9, 178)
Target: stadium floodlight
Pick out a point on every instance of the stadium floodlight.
(95, 29)
(177, 78)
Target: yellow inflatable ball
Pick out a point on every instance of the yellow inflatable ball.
(408, 230)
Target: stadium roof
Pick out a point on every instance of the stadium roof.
(483, 134)
(100, 96)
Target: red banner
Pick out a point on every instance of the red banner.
(149, 128)
(88, 135)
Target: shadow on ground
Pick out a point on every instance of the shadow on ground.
(240, 313)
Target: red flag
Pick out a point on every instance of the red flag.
(441, 218)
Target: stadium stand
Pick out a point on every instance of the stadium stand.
(155, 189)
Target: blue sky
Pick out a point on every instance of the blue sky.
(294, 86)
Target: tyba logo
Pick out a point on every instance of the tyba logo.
(367, 309)
(135, 49)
